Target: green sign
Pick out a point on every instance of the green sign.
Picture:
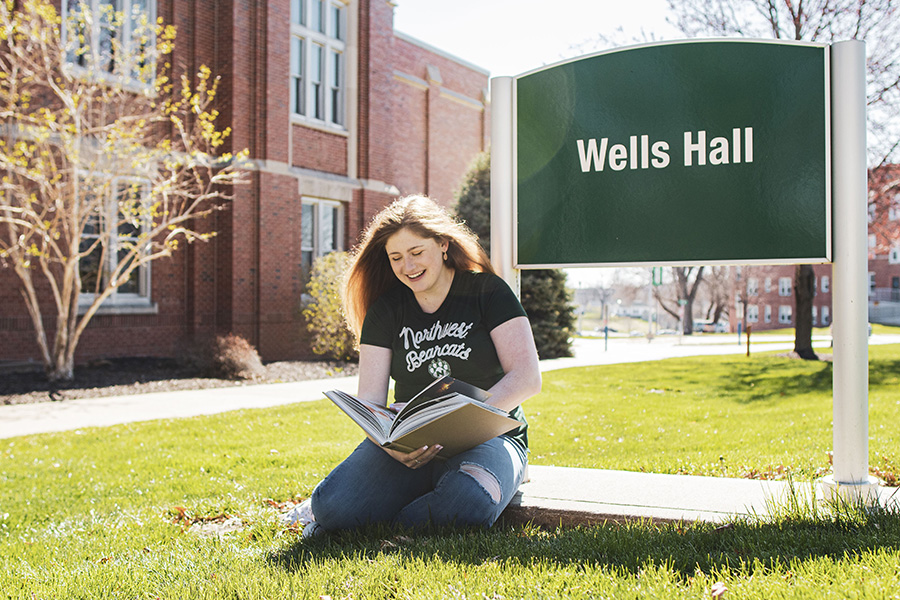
(678, 153)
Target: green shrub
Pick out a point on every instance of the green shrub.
(548, 304)
(323, 313)
(234, 357)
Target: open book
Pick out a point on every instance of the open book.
(448, 412)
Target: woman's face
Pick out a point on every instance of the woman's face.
(418, 262)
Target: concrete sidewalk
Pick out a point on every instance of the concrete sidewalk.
(568, 496)
(44, 417)
(553, 495)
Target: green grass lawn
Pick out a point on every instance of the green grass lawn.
(763, 416)
(112, 512)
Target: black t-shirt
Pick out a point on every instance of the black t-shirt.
(454, 340)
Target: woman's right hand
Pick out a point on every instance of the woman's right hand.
(417, 458)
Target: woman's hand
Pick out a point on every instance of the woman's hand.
(416, 458)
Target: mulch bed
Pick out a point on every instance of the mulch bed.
(124, 376)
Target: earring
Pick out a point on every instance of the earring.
(445, 255)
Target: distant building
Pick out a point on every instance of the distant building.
(341, 114)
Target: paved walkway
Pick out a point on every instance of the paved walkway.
(26, 419)
(554, 494)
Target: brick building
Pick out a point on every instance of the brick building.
(340, 113)
(764, 294)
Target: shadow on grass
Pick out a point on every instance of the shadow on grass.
(770, 379)
(883, 371)
(681, 548)
(776, 378)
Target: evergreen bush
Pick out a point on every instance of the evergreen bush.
(544, 295)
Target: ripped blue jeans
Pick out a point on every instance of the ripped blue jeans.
(369, 486)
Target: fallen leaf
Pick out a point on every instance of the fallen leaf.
(718, 590)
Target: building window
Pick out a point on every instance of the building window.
(117, 37)
(871, 283)
(752, 313)
(826, 284)
(785, 314)
(768, 284)
(321, 231)
(825, 316)
(768, 313)
(109, 245)
(752, 286)
(815, 314)
(784, 286)
(894, 256)
(318, 46)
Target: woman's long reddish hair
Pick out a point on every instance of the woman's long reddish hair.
(369, 273)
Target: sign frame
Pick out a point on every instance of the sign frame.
(824, 256)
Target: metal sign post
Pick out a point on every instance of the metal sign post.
(850, 477)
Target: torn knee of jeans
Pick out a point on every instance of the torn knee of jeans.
(485, 479)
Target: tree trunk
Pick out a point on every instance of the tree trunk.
(62, 369)
(687, 323)
(804, 292)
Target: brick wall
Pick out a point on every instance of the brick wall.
(441, 119)
(319, 150)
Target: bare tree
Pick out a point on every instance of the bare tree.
(107, 161)
(874, 21)
(718, 286)
(687, 282)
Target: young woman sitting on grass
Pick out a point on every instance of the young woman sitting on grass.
(419, 275)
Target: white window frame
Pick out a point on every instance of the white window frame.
(815, 314)
(318, 62)
(826, 284)
(826, 316)
(785, 314)
(785, 286)
(110, 218)
(125, 7)
(752, 313)
(894, 256)
(768, 284)
(767, 312)
(871, 283)
(752, 286)
(318, 242)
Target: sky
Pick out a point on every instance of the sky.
(510, 37)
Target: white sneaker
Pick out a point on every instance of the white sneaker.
(312, 530)
(301, 515)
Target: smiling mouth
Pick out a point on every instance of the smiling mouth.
(416, 275)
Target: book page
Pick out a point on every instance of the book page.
(375, 420)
